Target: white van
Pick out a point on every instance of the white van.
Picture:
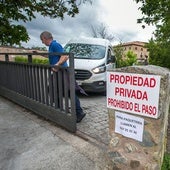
(92, 58)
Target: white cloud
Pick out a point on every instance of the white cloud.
(119, 15)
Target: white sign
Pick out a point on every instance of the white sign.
(129, 126)
(133, 93)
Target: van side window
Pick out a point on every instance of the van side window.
(108, 56)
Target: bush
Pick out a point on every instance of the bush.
(35, 60)
(21, 59)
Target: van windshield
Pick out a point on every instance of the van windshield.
(86, 51)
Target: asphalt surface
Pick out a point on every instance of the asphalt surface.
(28, 142)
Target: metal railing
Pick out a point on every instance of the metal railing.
(39, 89)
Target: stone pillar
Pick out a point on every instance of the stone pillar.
(127, 153)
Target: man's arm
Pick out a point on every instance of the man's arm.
(63, 59)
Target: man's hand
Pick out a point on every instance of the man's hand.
(56, 67)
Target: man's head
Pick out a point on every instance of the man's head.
(46, 38)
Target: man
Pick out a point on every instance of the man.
(56, 60)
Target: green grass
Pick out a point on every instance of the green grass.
(166, 162)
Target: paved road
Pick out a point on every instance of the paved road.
(95, 124)
(28, 142)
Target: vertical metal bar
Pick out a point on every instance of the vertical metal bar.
(38, 84)
(18, 78)
(66, 90)
(46, 86)
(18, 68)
(14, 78)
(42, 93)
(60, 88)
(50, 86)
(29, 58)
(21, 78)
(26, 81)
(6, 57)
(55, 84)
(30, 81)
(33, 82)
(72, 85)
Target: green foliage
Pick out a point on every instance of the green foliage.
(157, 12)
(159, 53)
(22, 59)
(166, 162)
(119, 52)
(124, 60)
(13, 12)
(131, 58)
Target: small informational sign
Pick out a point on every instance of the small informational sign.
(133, 93)
(129, 126)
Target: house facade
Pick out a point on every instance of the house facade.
(138, 48)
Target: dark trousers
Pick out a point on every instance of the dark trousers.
(79, 110)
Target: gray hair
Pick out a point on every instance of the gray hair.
(46, 35)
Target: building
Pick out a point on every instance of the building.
(138, 48)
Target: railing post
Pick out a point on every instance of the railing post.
(29, 58)
(6, 57)
(72, 82)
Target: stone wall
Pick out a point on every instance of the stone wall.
(127, 153)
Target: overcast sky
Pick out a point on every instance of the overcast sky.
(119, 16)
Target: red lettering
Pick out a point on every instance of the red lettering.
(127, 79)
(151, 110)
(145, 96)
(130, 93)
(120, 104)
(152, 82)
(136, 107)
(122, 79)
(140, 81)
(146, 83)
(111, 77)
(116, 90)
(135, 81)
(109, 100)
(116, 78)
(133, 94)
(122, 91)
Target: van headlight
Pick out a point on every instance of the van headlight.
(99, 69)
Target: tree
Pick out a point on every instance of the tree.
(157, 12)
(119, 53)
(102, 32)
(159, 53)
(122, 59)
(12, 11)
